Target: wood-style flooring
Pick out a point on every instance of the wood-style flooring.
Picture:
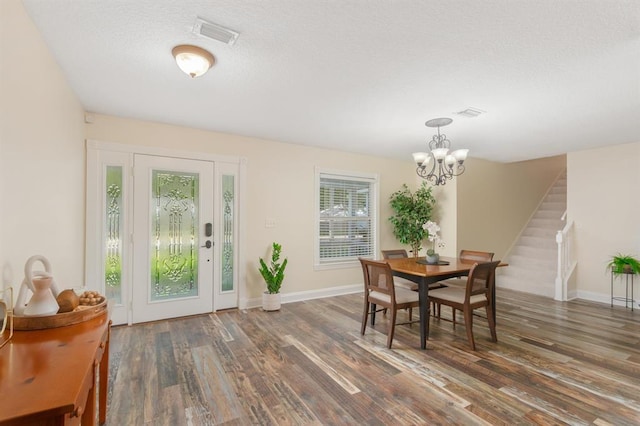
(575, 363)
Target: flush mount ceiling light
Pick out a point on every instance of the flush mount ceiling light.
(444, 165)
(193, 60)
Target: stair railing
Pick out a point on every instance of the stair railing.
(566, 262)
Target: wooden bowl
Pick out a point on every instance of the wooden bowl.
(80, 314)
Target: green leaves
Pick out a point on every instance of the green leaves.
(412, 210)
(618, 262)
(274, 273)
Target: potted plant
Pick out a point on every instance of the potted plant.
(273, 275)
(432, 229)
(412, 211)
(623, 264)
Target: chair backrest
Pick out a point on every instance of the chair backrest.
(481, 279)
(378, 277)
(476, 256)
(394, 254)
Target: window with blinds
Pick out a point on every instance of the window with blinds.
(346, 217)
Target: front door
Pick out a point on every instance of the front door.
(173, 238)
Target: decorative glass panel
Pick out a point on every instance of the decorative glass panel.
(113, 238)
(174, 264)
(228, 195)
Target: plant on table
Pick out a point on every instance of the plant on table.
(412, 210)
(432, 229)
(623, 264)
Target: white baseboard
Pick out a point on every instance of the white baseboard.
(605, 298)
(300, 296)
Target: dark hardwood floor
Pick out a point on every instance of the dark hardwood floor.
(575, 363)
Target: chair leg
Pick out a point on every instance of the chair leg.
(373, 314)
(492, 323)
(365, 314)
(468, 323)
(392, 327)
(453, 316)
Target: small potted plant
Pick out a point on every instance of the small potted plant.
(623, 264)
(432, 229)
(273, 275)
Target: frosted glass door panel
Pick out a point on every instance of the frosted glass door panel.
(173, 263)
(227, 294)
(228, 197)
(113, 234)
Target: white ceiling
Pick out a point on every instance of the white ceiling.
(364, 75)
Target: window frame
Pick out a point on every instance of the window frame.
(374, 208)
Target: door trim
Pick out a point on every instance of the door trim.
(93, 261)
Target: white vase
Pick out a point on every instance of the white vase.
(42, 302)
(271, 301)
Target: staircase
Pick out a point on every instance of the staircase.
(533, 259)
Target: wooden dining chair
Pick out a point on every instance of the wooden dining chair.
(379, 289)
(469, 255)
(475, 294)
(472, 255)
(478, 256)
(399, 254)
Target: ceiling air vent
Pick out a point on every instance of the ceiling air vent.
(470, 112)
(214, 31)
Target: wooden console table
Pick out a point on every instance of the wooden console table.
(49, 377)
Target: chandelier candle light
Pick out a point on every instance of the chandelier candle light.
(444, 165)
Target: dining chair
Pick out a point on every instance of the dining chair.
(379, 289)
(399, 254)
(475, 294)
(478, 256)
(472, 255)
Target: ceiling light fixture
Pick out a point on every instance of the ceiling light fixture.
(193, 60)
(445, 165)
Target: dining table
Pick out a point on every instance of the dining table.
(424, 274)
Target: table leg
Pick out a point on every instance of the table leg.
(423, 293)
(104, 380)
(89, 413)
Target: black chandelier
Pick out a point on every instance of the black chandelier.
(444, 165)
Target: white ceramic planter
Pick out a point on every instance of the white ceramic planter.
(271, 302)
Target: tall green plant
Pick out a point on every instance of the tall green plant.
(412, 210)
(273, 273)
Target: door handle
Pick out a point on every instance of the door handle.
(207, 244)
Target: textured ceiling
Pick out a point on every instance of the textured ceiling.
(364, 75)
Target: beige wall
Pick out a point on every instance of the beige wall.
(280, 185)
(605, 209)
(42, 156)
(498, 201)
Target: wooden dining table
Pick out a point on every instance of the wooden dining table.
(418, 271)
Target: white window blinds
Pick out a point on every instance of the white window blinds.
(346, 217)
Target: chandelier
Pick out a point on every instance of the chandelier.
(438, 165)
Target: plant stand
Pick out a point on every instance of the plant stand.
(626, 299)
